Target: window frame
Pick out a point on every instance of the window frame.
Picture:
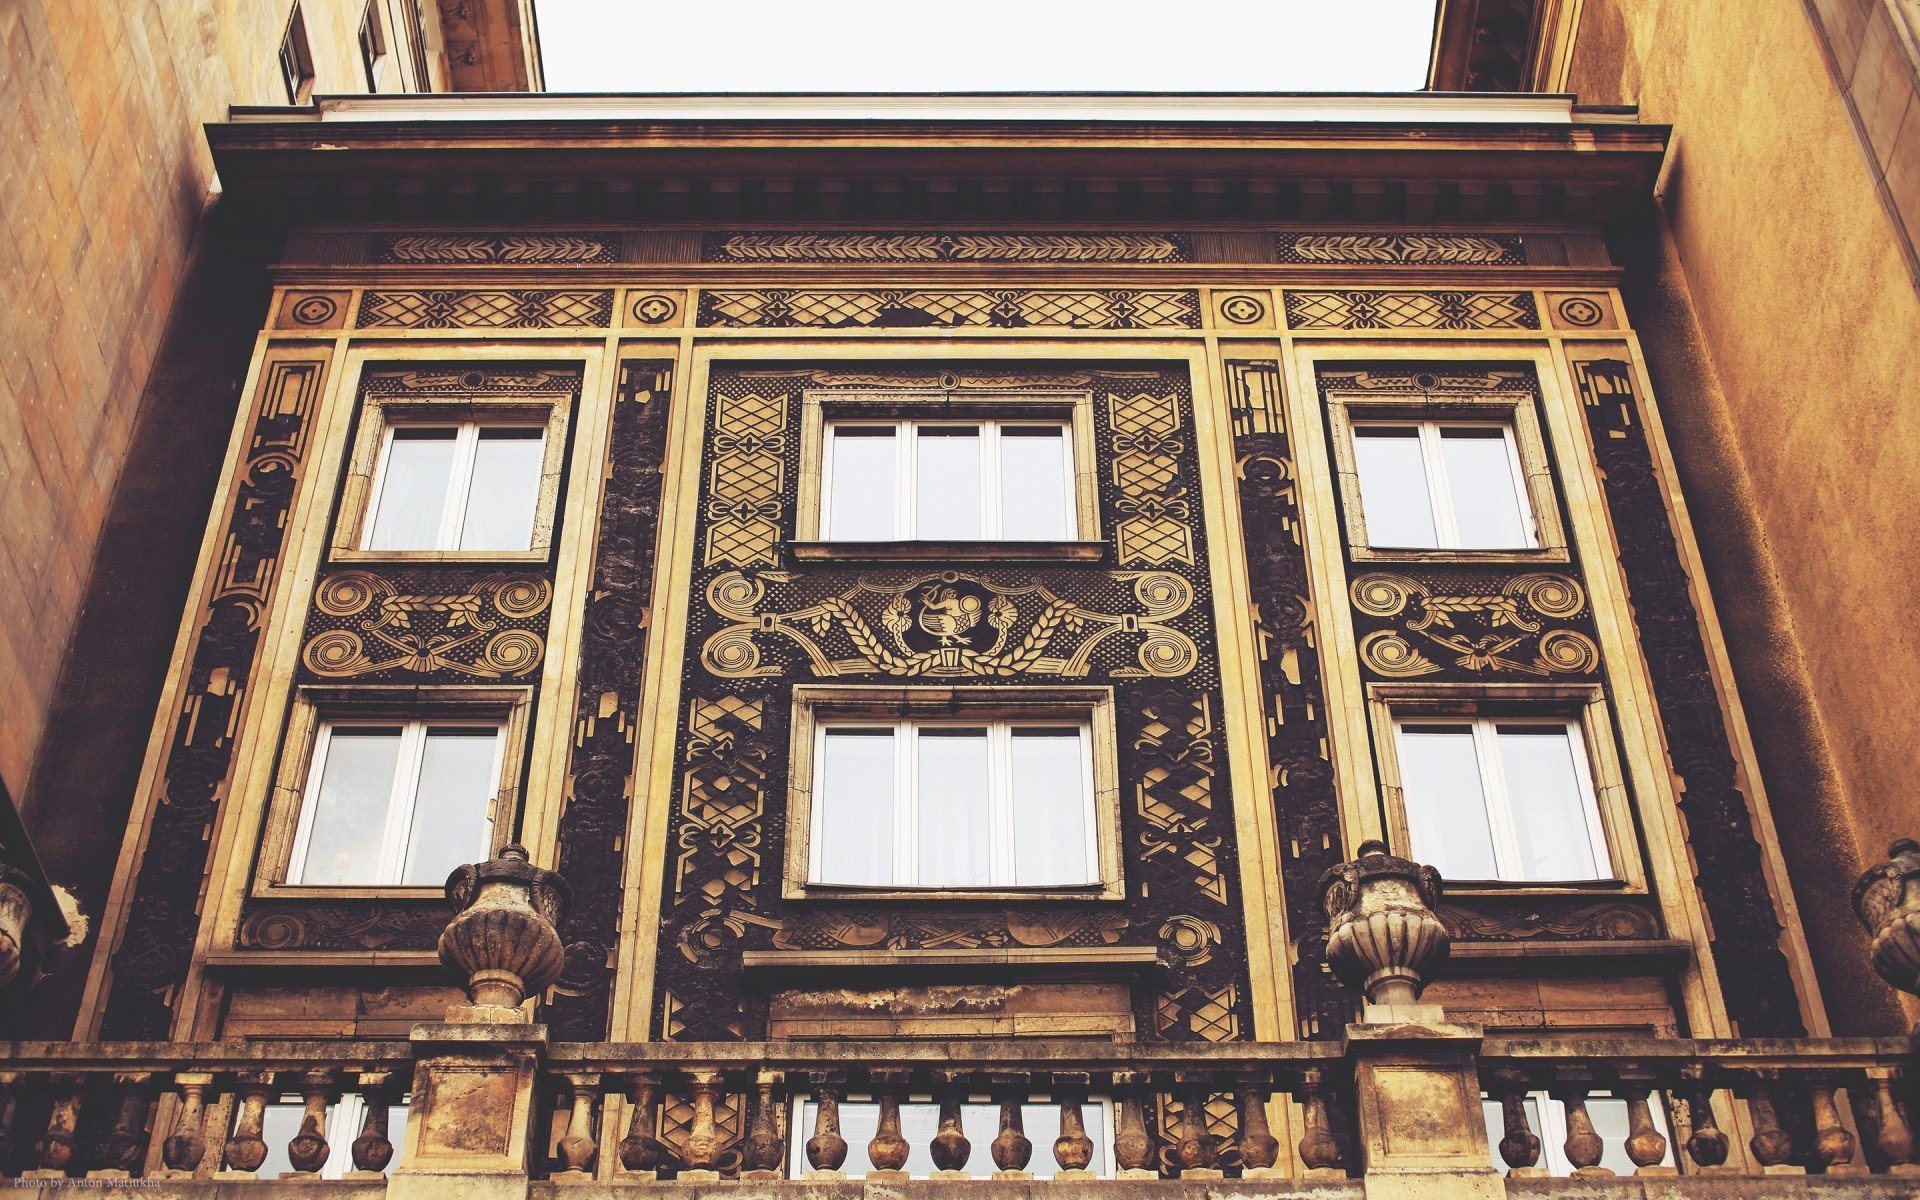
(1516, 411)
(819, 706)
(366, 472)
(1071, 409)
(1581, 706)
(1000, 816)
(318, 708)
(907, 463)
(1431, 436)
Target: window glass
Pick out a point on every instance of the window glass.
(1547, 1118)
(413, 489)
(856, 801)
(920, 1120)
(505, 489)
(450, 822)
(1550, 803)
(955, 832)
(947, 489)
(1034, 498)
(349, 816)
(861, 505)
(1393, 487)
(1049, 808)
(1445, 805)
(1480, 482)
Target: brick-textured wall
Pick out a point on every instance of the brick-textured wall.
(106, 177)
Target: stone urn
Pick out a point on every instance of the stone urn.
(504, 940)
(1887, 901)
(1383, 935)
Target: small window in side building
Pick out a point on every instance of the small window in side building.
(396, 803)
(1442, 485)
(456, 487)
(296, 59)
(373, 44)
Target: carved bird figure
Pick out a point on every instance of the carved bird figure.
(947, 615)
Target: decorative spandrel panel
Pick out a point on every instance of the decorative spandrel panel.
(1139, 621)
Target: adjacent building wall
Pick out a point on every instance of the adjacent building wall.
(1782, 325)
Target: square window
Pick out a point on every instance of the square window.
(1446, 477)
(948, 480)
(983, 791)
(931, 804)
(1434, 485)
(397, 803)
(470, 486)
(1501, 799)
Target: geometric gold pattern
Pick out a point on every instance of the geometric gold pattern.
(1496, 643)
(749, 467)
(1145, 466)
(1411, 310)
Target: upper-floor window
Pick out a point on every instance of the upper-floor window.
(1442, 485)
(296, 59)
(949, 480)
(373, 44)
(472, 486)
(937, 804)
(1501, 799)
(396, 803)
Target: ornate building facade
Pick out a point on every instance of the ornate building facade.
(744, 644)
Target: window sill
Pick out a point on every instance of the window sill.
(1499, 888)
(1585, 957)
(438, 556)
(945, 552)
(426, 893)
(844, 894)
(1052, 962)
(1536, 554)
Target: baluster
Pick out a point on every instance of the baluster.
(1706, 1145)
(1519, 1145)
(1073, 1149)
(1320, 1149)
(577, 1146)
(641, 1151)
(1834, 1143)
(700, 1152)
(187, 1145)
(9, 1109)
(246, 1149)
(1895, 1140)
(1646, 1147)
(308, 1150)
(764, 1153)
(1011, 1148)
(1196, 1152)
(1583, 1146)
(950, 1148)
(1772, 1146)
(1132, 1144)
(125, 1146)
(55, 1149)
(373, 1150)
(826, 1149)
(1259, 1149)
(887, 1150)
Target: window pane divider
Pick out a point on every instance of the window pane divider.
(400, 802)
(1507, 858)
(906, 804)
(1000, 803)
(1446, 526)
(453, 514)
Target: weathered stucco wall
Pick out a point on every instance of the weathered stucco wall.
(107, 174)
(1783, 325)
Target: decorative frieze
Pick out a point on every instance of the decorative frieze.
(486, 309)
(999, 308)
(930, 247)
(1405, 249)
(515, 249)
(1411, 310)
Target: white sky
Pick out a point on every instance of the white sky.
(985, 45)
